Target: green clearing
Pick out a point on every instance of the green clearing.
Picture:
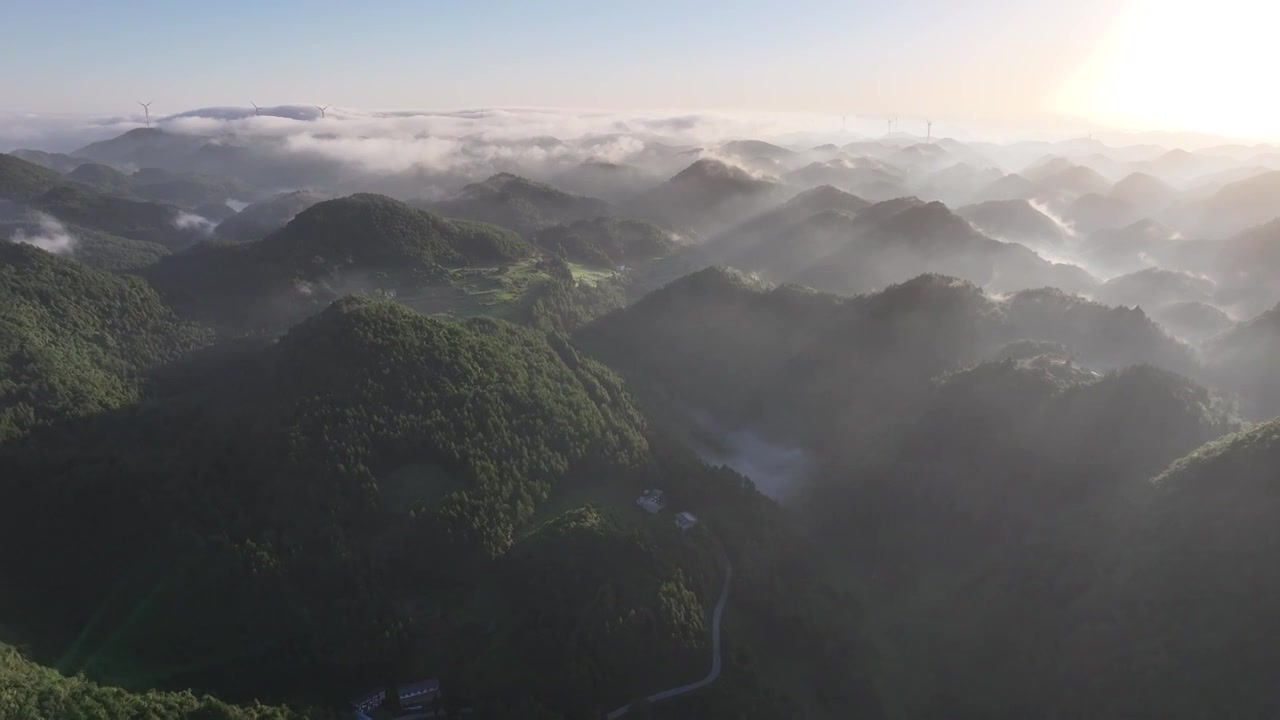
(589, 274)
(472, 291)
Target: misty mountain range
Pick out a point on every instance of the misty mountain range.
(298, 405)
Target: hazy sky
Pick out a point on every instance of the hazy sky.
(1171, 64)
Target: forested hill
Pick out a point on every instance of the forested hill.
(1187, 598)
(1196, 588)
(521, 204)
(606, 242)
(1244, 359)
(31, 691)
(269, 522)
(74, 340)
(784, 357)
(360, 243)
(376, 231)
(262, 218)
(22, 181)
(276, 476)
(136, 219)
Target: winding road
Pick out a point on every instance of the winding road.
(715, 655)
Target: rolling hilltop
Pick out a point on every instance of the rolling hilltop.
(267, 449)
(361, 243)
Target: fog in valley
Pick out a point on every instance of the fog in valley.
(896, 362)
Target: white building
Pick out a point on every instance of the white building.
(685, 520)
(651, 501)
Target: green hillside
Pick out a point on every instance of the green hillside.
(1243, 359)
(276, 524)
(605, 242)
(828, 370)
(1187, 593)
(23, 181)
(136, 219)
(361, 244)
(73, 340)
(58, 162)
(260, 219)
(103, 178)
(520, 204)
(313, 422)
(34, 692)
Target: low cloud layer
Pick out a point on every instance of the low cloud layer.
(192, 221)
(52, 236)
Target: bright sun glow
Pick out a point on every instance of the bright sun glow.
(1198, 65)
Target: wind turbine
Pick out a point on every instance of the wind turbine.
(146, 109)
(321, 109)
(256, 110)
(929, 134)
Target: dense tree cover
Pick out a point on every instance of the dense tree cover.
(835, 372)
(91, 247)
(252, 533)
(612, 611)
(796, 643)
(1246, 265)
(158, 185)
(73, 340)
(260, 219)
(605, 242)
(1244, 359)
(111, 252)
(703, 198)
(599, 178)
(1015, 220)
(1194, 322)
(1177, 624)
(185, 189)
(102, 178)
(520, 204)
(393, 232)
(825, 246)
(564, 305)
(1153, 288)
(31, 691)
(1011, 442)
(378, 496)
(145, 147)
(993, 517)
(1103, 337)
(246, 512)
(136, 219)
(58, 162)
(21, 180)
(973, 511)
(360, 243)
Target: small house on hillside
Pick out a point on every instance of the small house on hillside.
(420, 691)
(651, 501)
(685, 520)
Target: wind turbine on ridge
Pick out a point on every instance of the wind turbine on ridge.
(322, 109)
(146, 110)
